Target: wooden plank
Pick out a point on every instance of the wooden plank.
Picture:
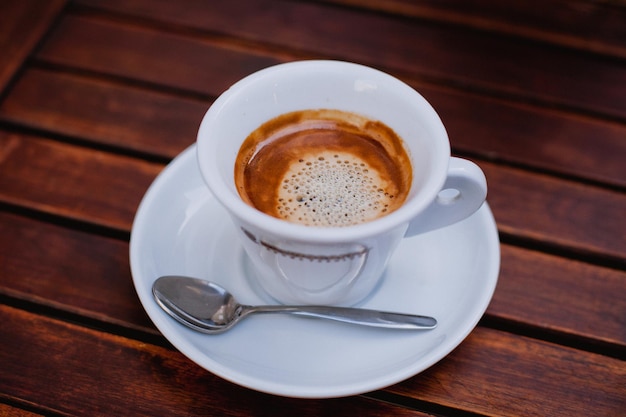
(426, 50)
(568, 214)
(62, 179)
(539, 138)
(492, 373)
(72, 182)
(39, 264)
(149, 55)
(7, 410)
(74, 370)
(561, 295)
(598, 27)
(162, 124)
(78, 370)
(70, 270)
(89, 109)
(495, 373)
(22, 25)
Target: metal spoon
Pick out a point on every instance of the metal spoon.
(208, 308)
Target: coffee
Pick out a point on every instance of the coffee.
(324, 168)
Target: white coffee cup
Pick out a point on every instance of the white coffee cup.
(334, 265)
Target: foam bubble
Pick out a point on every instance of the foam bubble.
(332, 189)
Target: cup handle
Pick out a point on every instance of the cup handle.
(463, 193)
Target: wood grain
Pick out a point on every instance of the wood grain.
(581, 24)
(564, 213)
(74, 370)
(143, 54)
(105, 189)
(104, 113)
(494, 373)
(71, 270)
(39, 265)
(22, 24)
(8, 411)
(446, 54)
(524, 377)
(96, 96)
(562, 295)
(68, 181)
(156, 123)
(532, 137)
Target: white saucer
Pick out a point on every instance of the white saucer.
(450, 274)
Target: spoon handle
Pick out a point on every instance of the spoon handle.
(360, 316)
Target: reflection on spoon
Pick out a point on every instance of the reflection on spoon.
(208, 308)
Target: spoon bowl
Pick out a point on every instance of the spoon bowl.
(208, 308)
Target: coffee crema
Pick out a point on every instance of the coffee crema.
(326, 168)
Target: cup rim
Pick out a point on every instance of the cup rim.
(207, 162)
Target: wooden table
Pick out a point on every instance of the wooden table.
(97, 96)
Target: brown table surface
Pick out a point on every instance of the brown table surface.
(97, 96)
